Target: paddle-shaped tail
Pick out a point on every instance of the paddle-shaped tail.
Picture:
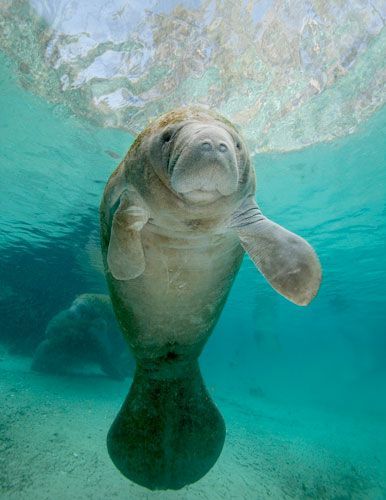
(168, 432)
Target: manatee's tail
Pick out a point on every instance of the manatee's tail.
(168, 432)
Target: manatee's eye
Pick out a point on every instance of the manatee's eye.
(238, 145)
(166, 136)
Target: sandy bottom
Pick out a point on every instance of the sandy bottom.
(53, 431)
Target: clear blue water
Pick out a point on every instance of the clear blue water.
(302, 389)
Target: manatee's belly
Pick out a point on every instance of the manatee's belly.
(176, 302)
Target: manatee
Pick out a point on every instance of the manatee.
(177, 216)
(85, 332)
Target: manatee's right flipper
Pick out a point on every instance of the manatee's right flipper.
(168, 432)
(125, 258)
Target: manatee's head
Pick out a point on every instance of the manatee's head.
(83, 309)
(198, 155)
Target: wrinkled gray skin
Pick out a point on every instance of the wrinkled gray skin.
(176, 217)
(86, 332)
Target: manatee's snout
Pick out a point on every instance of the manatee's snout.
(205, 163)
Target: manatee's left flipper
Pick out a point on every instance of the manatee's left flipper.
(286, 260)
(125, 257)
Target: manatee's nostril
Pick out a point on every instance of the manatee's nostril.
(206, 146)
(222, 147)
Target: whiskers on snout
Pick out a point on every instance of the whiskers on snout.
(204, 172)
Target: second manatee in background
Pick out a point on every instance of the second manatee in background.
(86, 332)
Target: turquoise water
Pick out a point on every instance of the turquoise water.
(302, 390)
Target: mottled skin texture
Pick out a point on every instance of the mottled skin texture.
(86, 332)
(176, 216)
